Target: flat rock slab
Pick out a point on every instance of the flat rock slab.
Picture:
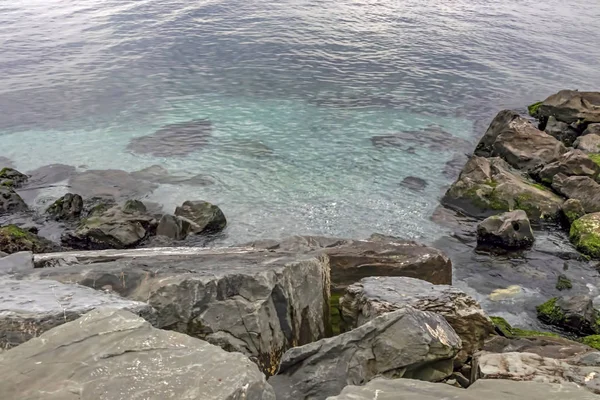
(112, 354)
(408, 389)
(17, 262)
(29, 308)
(259, 303)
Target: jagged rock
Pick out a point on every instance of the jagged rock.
(10, 201)
(174, 227)
(12, 178)
(582, 188)
(68, 207)
(375, 296)
(589, 143)
(571, 106)
(17, 262)
(118, 227)
(532, 367)
(406, 343)
(572, 210)
(174, 140)
(571, 313)
(501, 122)
(488, 185)
(574, 162)
(561, 131)
(488, 389)
(585, 234)
(510, 230)
(113, 354)
(29, 308)
(14, 239)
(259, 303)
(206, 217)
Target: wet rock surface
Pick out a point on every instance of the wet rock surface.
(205, 217)
(68, 207)
(114, 354)
(10, 177)
(10, 201)
(510, 231)
(571, 313)
(571, 106)
(111, 183)
(175, 140)
(585, 234)
(14, 239)
(405, 343)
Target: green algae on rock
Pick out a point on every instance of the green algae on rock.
(505, 329)
(585, 234)
(563, 283)
(14, 239)
(572, 313)
(593, 341)
(12, 178)
(532, 109)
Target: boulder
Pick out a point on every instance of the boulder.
(582, 188)
(113, 354)
(585, 234)
(14, 239)
(532, 367)
(406, 343)
(68, 207)
(589, 143)
(259, 303)
(501, 122)
(29, 308)
(571, 313)
(174, 227)
(572, 210)
(561, 131)
(206, 217)
(118, 227)
(174, 140)
(571, 106)
(510, 230)
(574, 162)
(592, 129)
(375, 296)
(16, 263)
(489, 389)
(12, 178)
(10, 201)
(488, 185)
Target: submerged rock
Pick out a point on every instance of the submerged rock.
(10, 201)
(68, 207)
(158, 174)
(432, 137)
(589, 143)
(375, 296)
(175, 140)
(585, 234)
(488, 185)
(571, 313)
(571, 106)
(12, 178)
(402, 344)
(14, 239)
(113, 354)
(413, 183)
(110, 183)
(510, 230)
(206, 217)
(574, 162)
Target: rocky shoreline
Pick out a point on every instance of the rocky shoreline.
(128, 313)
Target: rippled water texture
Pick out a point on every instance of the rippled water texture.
(306, 116)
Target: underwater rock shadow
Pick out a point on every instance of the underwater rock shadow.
(174, 140)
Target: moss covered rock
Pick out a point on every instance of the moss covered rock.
(67, 207)
(572, 313)
(12, 178)
(572, 210)
(593, 341)
(563, 283)
(505, 329)
(10, 201)
(532, 109)
(14, 239)
(207, 217)
(585, 235)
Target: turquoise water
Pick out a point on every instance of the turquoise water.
(294, 90)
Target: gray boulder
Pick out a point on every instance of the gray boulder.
(501, 122)
(571, 313)
(510, 230)
(174, 227)
(589, 143)
(497, 389)
(68, 207)
(256, 302)
(592, 129)
(561, 131)
(17, 262)
(10, 201)
(572, 210)
(582, 188)
(206, 217)
(488, 185)
(571, 106)
(402, 344)
(117, 227)
(29, 308)
(112, 354)
(574, 162)
(375, 296)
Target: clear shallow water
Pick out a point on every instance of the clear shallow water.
(312, 80)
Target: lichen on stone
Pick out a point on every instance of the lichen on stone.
(533, 108)
(550, 313)
(585, 235)
(593, 341)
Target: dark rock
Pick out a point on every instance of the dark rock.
(488, 185)
(489, 389)
(563, 283)
(259, 303)
(510, 230)
(413, 183)
(375, 296)
(113, 354)
(68, 207)
(561, 131)
(118, 227)
(572, 210)
(17, 262)
(585, 234)
(402, 344)
(12, 178)
(574, 162)
(571, 106)
(176, 228)
(10, 201)
(247, 147)
(111, 183)
(175, 140)
(589, 143)
(14, 239)
(582, 188)
(30, 308)
(571, 313)
(432, 137)
(206, 217)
